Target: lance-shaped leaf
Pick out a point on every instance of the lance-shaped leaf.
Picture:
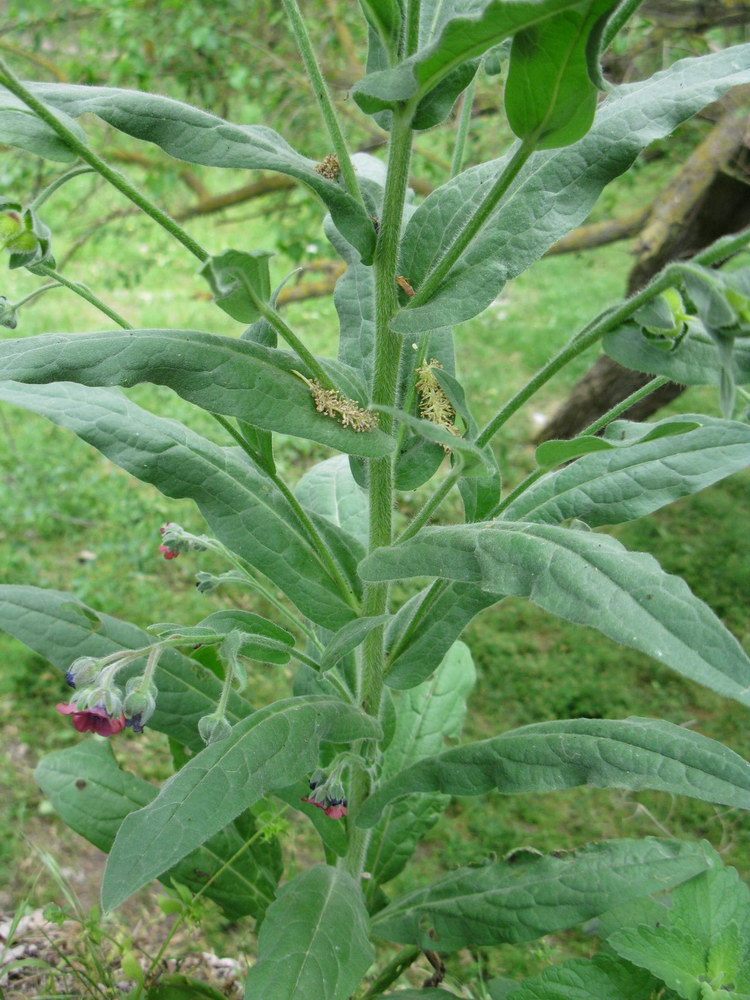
(583, 577)
(553, 193)
(329, 490)
(265, 751)
(196, 136)
(424, 630)
(384, 18)
(449, 39)
(695, 360)
(525, 898)
(244, 509)
(603, 977)
(221, 374)
(233, 275)
(550, 94)
(606, 753)
(349, 637)
(61, 628)
(93, 796)
(315, 941)
(639, 477)
(21, 127)
(426, 716)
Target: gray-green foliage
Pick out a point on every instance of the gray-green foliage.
(371, 737)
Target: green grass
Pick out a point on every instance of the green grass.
(73, 522)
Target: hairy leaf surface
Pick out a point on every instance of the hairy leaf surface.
(246, 511)
(315, 940)
(583, 577)
(426, 716)
(196, 136)
(265, 751)
(608, 753)
(237, 378)
(526, 898)
(93, 796)
(639, 477)
(553, 193)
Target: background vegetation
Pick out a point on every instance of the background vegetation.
(73, 522)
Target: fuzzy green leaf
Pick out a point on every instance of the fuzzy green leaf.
(315, 940)
(639, 476)
(230, 274)
(553, 193)
(676, 957)
(265, 751)
(234, 377)
(349, 637)
(550, 94)
(21, 127)
(601, 978)
(245, 511)
(526, 898)
(93, 796)
(196, 136)
(695, 360)
(224, 622)
(606, 753)
(450, 37)
(426, 716)
(329, 490)
(61, 628)
(583, 577)
(414, 656)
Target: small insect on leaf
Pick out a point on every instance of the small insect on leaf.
(404, 285)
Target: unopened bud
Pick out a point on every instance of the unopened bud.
(139, 704)
(82, 671)
(213, 728)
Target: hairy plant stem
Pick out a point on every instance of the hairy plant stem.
(596, 425)
(619, 18)
(84, 292)
(380, 470)
(323, 98)
(9, 80)
(397, 965)
(286, 333)
(57, 183)
(440, 271)
(32, 295)
(411, 36)
(610, 319)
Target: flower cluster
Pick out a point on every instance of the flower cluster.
(328, 794)
(176, 540)
(100, 706)
(434, 405)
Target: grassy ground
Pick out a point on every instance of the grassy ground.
(73, 522)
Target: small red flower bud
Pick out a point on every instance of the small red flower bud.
(167, 552)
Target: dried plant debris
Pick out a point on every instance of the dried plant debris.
(434, 405)
(329, 167)
(332, 403)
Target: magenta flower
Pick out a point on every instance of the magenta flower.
(92, 720)
(333, 808)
